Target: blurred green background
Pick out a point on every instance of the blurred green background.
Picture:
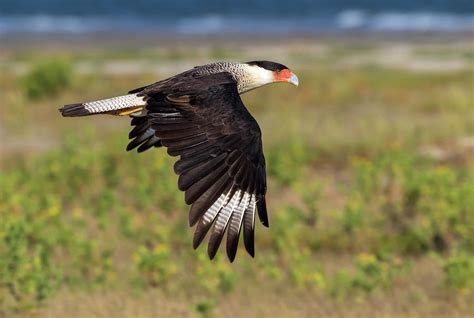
(370, 173)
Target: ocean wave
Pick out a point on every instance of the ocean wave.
(215, 24)
(405, 21)
(52, 24)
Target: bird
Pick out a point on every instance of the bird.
(199, 116)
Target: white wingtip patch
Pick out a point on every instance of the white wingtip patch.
(238, 214)
(226, 212)
(215, 208)
(231, 213)
(249, 214)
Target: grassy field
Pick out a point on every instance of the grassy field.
(371, 187)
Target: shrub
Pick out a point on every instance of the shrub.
(47, 78)
(287, 163)
(303, 272)
(27, 274)
(154, 265)
(216, 277)
(459, 271)
(371, 272)
(205, 309)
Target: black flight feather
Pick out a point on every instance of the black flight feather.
(202, 120)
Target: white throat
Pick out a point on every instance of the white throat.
(253, 77)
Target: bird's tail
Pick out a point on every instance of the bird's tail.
(121, 106)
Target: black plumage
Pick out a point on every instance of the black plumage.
(142, 135)
(203, 120)
(198, 116)
(268, 65)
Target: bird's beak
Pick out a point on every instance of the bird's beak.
(293, 79)
(285, 76)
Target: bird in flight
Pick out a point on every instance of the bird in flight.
(199, 116)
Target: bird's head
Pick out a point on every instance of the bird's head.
(265, 72)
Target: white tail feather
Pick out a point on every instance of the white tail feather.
(121, 105)
(115, 103)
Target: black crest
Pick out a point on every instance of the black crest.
(271, 66)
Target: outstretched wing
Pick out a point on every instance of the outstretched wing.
(221, 167)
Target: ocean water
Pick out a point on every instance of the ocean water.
(233, 16)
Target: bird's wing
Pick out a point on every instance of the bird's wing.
(221, 166)
(142, 136)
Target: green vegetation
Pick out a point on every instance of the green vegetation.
(47, 78)
(371, 198)
(459, 270)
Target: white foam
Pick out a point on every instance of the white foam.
(418, 21)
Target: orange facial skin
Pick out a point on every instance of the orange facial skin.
(282, 76)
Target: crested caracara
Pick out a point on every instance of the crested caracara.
(198, 115)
